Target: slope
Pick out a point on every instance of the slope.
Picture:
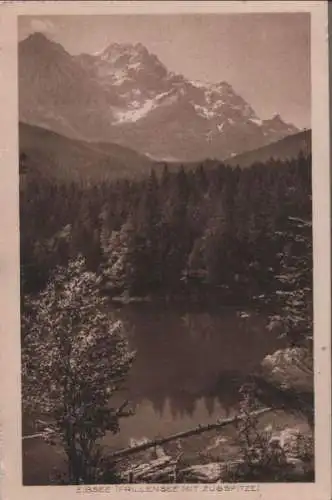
(55, 156)
(285, 149)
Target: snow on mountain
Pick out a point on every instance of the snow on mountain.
(257, 121)
(125, 94)
(137, 111)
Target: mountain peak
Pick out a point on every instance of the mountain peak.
(38, 42)
(121, 63)
(277, 120)
(38, 39)
(37, 36)
(278, 125)
(127, 95)
(126, 50)
(276, 117)
(224, 86)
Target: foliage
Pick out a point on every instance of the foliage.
(74, 359)
(295, 291)
(213, 226)
(265, 458)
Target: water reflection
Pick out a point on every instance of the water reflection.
(189, 365)
(181, 402)
(188, 369)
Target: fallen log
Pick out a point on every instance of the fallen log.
(208, 473)
(33, 436)
(180, 435)
(151, 466)
(154, 474)
(152, 471)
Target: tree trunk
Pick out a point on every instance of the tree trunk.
(192, 432)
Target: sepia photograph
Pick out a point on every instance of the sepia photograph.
(166, 248)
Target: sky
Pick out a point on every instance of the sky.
(265, 57)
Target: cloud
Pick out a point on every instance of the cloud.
(42, 25)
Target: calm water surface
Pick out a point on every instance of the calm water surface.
(188, 368)
(189, 365)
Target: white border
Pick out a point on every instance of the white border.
(9, 235)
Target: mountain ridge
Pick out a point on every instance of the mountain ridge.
(50, 154)
(285, 149)
(126, 95)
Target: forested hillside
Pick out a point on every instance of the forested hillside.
(285, 149)
(219, 229)
(55, 156)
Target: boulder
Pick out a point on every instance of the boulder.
(207, 473)
(290, 368)
(295, 444)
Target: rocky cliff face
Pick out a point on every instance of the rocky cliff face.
(125, 94)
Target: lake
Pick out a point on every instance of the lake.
(189, 365)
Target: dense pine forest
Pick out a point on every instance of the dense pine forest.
(214, 228)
